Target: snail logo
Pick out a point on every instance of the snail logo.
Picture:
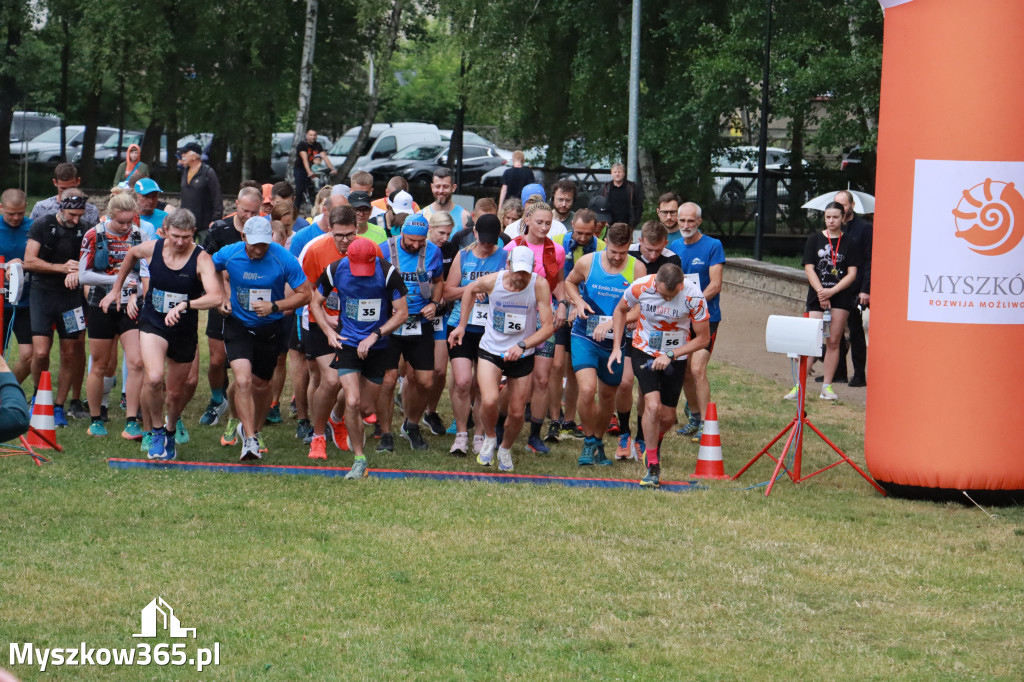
(987, 222)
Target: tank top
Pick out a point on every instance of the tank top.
(513, 317)
(474, 267)
(169, 287)
(602, 291)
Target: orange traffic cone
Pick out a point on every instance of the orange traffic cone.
(709, 457)
(42, 417)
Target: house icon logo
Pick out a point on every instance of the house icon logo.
(159, 612)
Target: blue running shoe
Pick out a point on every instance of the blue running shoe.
(96, 428)
(586, 457)
(600, 458)
(156, 444)
(169, 446)
(536, 446)
(58, 417)
(181, 433)
(452, 430)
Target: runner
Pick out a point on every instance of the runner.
(442, 187)
(517, 302)
(419, 264)
(595, 286)
(374, 306)
(670, 307)
(256, 328)
(482, 258)
(103, 249)
(14, 227)
(360, 201)
(441, 225)
(182, 280)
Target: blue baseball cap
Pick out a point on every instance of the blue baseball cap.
(147, 186)
(416, 226)
(532, 189)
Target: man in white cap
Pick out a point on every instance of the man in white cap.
(517, 297)
(264, 281)
(399, 207)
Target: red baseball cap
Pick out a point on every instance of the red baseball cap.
(362, 257)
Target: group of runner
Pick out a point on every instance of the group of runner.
(533, 310)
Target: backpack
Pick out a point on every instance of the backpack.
(550, 260)
(101, 261)
(49, 245)
(426, 287)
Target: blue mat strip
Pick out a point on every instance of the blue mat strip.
(232, 468)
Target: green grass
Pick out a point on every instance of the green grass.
(311, 578)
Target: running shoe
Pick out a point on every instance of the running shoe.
(600, 458)
(652, 479)
(690, 428)
(504, 459)
(169, 447)
(536, 446)
(387, 443)
(486, 455)
(230, 435)
(377, 432)
(156, 444)
(274, 414)
(261, 444)
(339, 432)
(478, 442)
(147, 439)
(625, 447)
(303, 429)
(453, 429)
(613, 426)
(460, 448)
(318, 448)
(411, 432)
(78, 410)
(572, 430)
(358, 470)
(250, 450)
(792, 395)
(586, 457)
(686, 410)
(212, 414)
(696, 435)
(434, 423)
(827, 393)
(132, 430)
(554, 428)
(180, 433)
(371, 420)
(59, 419)
(639, 451)
(96, 428)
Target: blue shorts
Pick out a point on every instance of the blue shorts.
(588, 355)
(442, 333)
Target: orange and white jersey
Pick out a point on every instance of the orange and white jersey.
(664, 325)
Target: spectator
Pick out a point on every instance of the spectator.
(625, 198)
(14, 413)
(14, 227)
(131, 169)
(304, 153)
(515, 178)
(200, 189)
(861, 230)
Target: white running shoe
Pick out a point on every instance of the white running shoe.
(478, 442)
(250, 449)
(461, 445)
(486, 455)
(827, 393)
(504, 459)
(793, 393)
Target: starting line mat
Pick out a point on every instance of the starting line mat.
(484, 477)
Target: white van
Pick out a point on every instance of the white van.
(385, 139)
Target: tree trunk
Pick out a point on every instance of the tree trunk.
(374, 100)
(10, 92)
(798, 179)
(647, 175)
(305, 85)
(62, 100)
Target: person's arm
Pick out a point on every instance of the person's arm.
(210, 299)
(296, 299)
(452, 288)
(304, 156)
(865, 285)
(143, 251)
(14, 412)
(502, 195)
(435, 302)
(562, 312)
(484, 285)
(86, 257)
(714, 286)
(572, 286)
(33, 263)
(547, 324)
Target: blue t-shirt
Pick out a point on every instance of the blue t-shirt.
(365, 303)
(156, 218)
(304, 236)
(673, 236)
(12, 245)
(697, 260)
(258, 280)
(407, 262)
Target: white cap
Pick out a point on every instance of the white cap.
(342, 189)
(401, 202)
(521, 259)
(257, 230)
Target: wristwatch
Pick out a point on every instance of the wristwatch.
(378, 332)
(671, 355)
(274, 308)
(522, 344)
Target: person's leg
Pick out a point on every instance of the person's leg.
(539, 403)
(154, 354)
(351, 384)
(518, 390)
(245, 401)
(23, 367)
(606, 396)
(836, 330)
(326, 393)
(558, 372)
(439, 378)
(69, 369)
(280, 374)
(586, 378)
(572, 394)
(76, 365)
(386, 401)
(300, 382)
(40, 356)
(177, 396)
(652, 423)
(697, 375)
(415, 396)
(624, 400)
(99, 350)
(216, 371)
(462, 371)
(133, 384)
(488, 377)
(858, 347)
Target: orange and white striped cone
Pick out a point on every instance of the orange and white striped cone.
(42, 416)
(709, 457)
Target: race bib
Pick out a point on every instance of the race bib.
(163, 301)
(666, 341)
(508, 323)
(305, 318)
(695, 278)
(363, 309)
(438, 323)
(333, 302)
(252, 296)
(595, 321)
(481, 314)
(127, 292)
(411, 327)
(74, 320)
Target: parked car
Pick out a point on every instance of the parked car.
(588, 173)
(45, 147)
(108, 152)
(28, 124)
(469, 137)
(858, 167)
(384, 141)
(282, 148)
(417, 163)
(735, 172)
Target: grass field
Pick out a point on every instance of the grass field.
(324, 579)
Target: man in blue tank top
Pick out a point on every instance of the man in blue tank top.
(14, 228)
(372, 304)
(595, 286)
(256, 330)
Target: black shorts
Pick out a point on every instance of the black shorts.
(844, 300)
(513, 370)
(418, 351)
(468, 348)
(259, 345)
(668, 382)
(215, 325)
(714, 335)
(315, 342)
(22, 326)
(285, 337)
(181, 343)
(562, 335)
(105, 326)
(48, 309)
(372, 368)
(297, 337)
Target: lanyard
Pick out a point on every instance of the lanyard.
(835, 251)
